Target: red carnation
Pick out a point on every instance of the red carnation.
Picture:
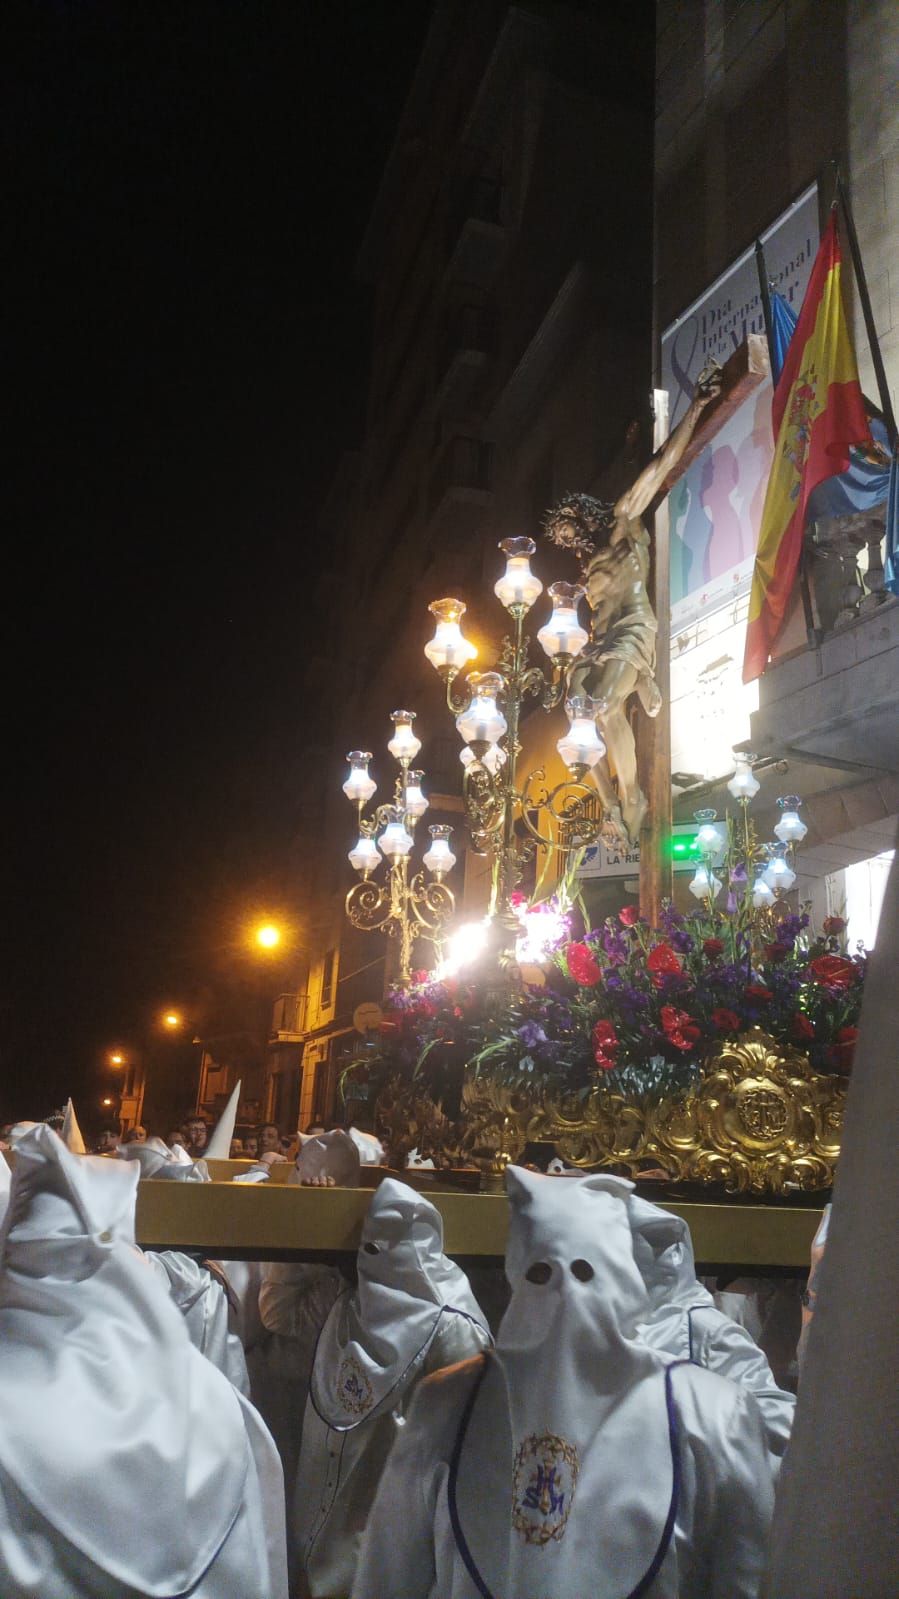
(756, 991)
(582, 964)
(629, 916)
(679, 1030)
(834, 971)
(801, 1027)
(662, 963)
(605, 1041)
(725, 1020)
(775, 953)
(833, 924)
(713, 948)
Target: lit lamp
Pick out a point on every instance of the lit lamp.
(704, 884)
(762, 895)
(581, 747)
(791, 829)
(408, 908)
(744, 785)
(778, 876)
(439, 859)
(483, 723)
(448, 651)
(563, 634)
(404, 746)
(359, 786)
(506, 821)
(518, 588)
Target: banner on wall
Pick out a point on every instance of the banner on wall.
(715, 508)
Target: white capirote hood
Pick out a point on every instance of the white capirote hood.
(111, 1420)
(376, 1337)
(155, 1159)
(663, 1251)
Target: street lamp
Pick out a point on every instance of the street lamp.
(268, 936)
(403, 907)
(488, 713)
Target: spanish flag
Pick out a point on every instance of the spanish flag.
(817, 413)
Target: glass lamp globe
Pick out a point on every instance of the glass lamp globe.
(414, 802)
(704, 884)
(492, 758)
(791, 829)
(708, 838)
(364, 856)
(778, 875)
(581, 747)
(359, 786)
(448, 650)
(439, 859)
(762, 895)
(395, 842)
(404, 746)
(563, 634)
(743, 785)
(518, 588)
(483, 722)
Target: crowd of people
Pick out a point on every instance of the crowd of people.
(589, 1423)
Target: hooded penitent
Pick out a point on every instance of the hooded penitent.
(72, 1136)
(411, 1312)
(128, 1464)
(219, 1146)
(683, 1323)
(575, 1461)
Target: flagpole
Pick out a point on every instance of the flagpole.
(886, 404)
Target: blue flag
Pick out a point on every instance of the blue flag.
(783, 321)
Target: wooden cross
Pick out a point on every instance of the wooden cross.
(740, 376)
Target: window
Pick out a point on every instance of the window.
(327, 998)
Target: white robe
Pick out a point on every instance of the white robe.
(576, 1463)
(129, 1466)
(684, 1324)
(412, 1312)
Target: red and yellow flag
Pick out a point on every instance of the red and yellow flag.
(817, 413)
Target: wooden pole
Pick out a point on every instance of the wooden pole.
(656, 871)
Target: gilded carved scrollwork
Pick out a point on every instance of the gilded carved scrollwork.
(761, 1121)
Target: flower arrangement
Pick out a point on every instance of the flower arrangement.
(633, 1008)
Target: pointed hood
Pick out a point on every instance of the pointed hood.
(219, 1145)
(375, 1339)
(71, 1133)
(105, 1403)
(155, 1159)
(333, 1154)
(663, 1251)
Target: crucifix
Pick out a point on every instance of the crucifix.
(629, 652)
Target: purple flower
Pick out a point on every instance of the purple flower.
(531, 1034)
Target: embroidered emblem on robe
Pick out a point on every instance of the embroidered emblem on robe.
(353, 1387)
(544, 1478)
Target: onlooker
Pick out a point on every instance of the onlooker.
(251, 1146)
(107, 1138)
(269, 1139)
(196, 1135)
(236, 1150)
(176, 1137)
(135, 1135)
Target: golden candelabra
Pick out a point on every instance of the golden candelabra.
(500, 808)
(762, 872)
(404, 907)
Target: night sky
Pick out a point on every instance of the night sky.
(186, 189)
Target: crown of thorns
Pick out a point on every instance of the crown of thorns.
(576, 521)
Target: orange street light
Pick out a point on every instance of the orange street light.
(268, 935)
(107, 1101)
(172, 1019)
(116, 1059)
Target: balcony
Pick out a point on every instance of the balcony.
(459, 486)
(288, 1019)
(466, 347)
(476, 236)
(835, 700)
